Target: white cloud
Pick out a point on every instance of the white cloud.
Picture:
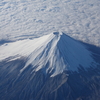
(28, 18)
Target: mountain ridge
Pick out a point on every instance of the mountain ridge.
(54, 53)
(60, 50)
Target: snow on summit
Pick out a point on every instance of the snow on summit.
(53, 53)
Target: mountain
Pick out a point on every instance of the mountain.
(52, 67)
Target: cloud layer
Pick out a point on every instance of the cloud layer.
(79, 19)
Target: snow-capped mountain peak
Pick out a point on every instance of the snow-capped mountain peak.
(59, 53)
(43, 68)
(53, 53)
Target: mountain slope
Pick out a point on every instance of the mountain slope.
(52, 67)
(55, 52)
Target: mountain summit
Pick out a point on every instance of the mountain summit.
(53, 53)
(59, 53)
